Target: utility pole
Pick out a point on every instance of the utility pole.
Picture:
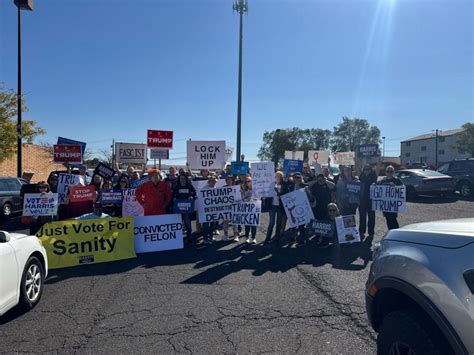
(383, 149)
(241, 7)
(436, 148)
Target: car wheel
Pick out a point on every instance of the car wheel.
(7, 210)
(405, 332)
(411, 192)
(31, 287)
(465, 189)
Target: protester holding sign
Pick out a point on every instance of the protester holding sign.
(276, 211)
(299, 233)
(367, 178)
(154, 195)
(230, 181)
(209, 227)
(246, 190)
(321, 192)
(389, 179)
(53, 182)
(40, 220)
(347, 200)
(184, 190)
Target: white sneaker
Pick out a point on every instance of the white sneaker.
(216, 232)
(247, 241)
(254, 240)
(236, 238)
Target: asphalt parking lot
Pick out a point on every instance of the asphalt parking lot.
(228, 297)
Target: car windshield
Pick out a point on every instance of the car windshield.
(429, 173)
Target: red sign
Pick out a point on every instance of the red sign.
(67, 153)
(81, 193)
(160, 139)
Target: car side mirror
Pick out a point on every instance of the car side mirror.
(4, 237)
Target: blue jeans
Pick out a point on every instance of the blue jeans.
(275, 214)
(187, 223)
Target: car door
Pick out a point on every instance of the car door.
(8, 276)
(14, 186)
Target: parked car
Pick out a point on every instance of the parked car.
(10, 201)
(420, 290)
(23, 269)
(462, 170)
(426, 182)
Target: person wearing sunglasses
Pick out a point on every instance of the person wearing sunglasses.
(366, 215)
(390, 179)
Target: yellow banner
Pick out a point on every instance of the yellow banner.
(78, 242)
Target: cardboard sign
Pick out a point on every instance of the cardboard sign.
(62, 141)
(294, 154)
(368, 150)
(157, 233)
(67, 153)
(318, 156)
(292, 166)
(347, 231)
(159, 139)
(263, 179)
(130, 205)
(109, 197)
(65, 181)
(247, 213)
(130, 153)
(105, 171)
(343, 158)
(297, 208)
(239, 167)
(322, 228)
(80, 193)
(40, 204)
(159, 154)
(206, 154)
(216, 204)
(183, 206)
(199, 184)
(387, 198)
(77, 242)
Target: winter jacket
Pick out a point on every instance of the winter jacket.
(154, 198)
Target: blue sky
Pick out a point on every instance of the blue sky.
(95, 70)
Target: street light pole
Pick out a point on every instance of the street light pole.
(383, 149)
(241, 7)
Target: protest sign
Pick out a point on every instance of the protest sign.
(294, 154)
(353, 188)
(108, 197)
(105, 171)
(263, 179)
(206, 154)
(80, 193)
(64, 182)
(228, 153)
(292, 166)
(159, 139)
(159, 154)
(239, 167)
(40, 204)
(247, 213)
(67, 153)
(368, 150)
(347, 231)
(318, 156)
(133, 184)
(199, 184)
(76, 242)
(322, 228)
(130, 205)
(183, 206)
(62, 141)
(344, 158)
(297, 208)
(388, 198)
(130, 153)
(157, 233)
(318, 169)
(216, 204)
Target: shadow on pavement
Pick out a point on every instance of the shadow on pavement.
(425, 199)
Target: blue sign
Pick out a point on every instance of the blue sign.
(322, 228)
(109, 197)
(133, 184)
(239, 167)
(292, 166)
(183, 206)
(62, 140)
(368, 150)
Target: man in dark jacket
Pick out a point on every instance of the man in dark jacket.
(367, 178)
(322, 192)
(389, 179)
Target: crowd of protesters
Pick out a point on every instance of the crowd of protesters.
(329, 198)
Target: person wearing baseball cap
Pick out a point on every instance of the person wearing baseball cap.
(154, 195)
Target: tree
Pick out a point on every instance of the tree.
(352, 132)
(276, 142)
(8, 127)
(465, 141)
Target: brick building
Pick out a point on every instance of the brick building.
(37, 160)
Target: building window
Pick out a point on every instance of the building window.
(407, 155)
(441, 139)
(408, 144)
(441, 152)
(423, 148)
(423, 159)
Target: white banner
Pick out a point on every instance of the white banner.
(199, 184)
(347, 231)
(64, 182)
(388, 198)
(263, 179)
(216, 204)
(343, 158)
(297, 207)
(206, 154)
(294, 154)
(130, 205)
(318, 156)
(156, 233)
(130, 153)
(247, 213)
(40, 204)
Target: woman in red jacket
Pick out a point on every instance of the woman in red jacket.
(154, 195)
